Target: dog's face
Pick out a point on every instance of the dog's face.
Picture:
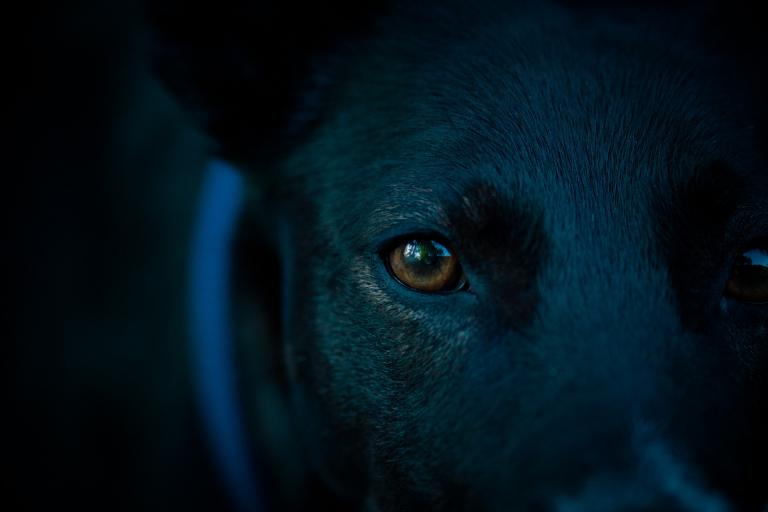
(524, 263)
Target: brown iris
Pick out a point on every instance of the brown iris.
(749, 277)
(425, 265)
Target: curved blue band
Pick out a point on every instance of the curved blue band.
(210, 333)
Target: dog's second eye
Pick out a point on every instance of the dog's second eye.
(749, 277)
(426, 266)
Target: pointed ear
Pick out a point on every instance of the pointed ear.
(243, 68)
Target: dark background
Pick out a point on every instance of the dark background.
(102, 180)
(101, 183)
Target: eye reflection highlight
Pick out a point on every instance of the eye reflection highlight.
(749, 278)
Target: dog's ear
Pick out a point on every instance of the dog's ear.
(244, 68)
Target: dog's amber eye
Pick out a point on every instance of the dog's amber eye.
(749, 277)
(425, 265)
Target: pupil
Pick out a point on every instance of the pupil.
(420, 253)
(429, 256)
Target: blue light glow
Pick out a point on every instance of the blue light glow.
(210, 332)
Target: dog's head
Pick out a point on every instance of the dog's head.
(511, 257)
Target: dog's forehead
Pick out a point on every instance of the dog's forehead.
(548, 114)
(549, 103)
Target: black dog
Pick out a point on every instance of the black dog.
(504, 257)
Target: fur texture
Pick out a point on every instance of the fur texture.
(597, 171)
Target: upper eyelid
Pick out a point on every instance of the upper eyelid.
(390, 240)
(745, 234)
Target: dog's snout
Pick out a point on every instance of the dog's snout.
(659, 481)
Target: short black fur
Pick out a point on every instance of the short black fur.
(597, 169)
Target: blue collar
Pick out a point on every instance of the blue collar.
(211, 337)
